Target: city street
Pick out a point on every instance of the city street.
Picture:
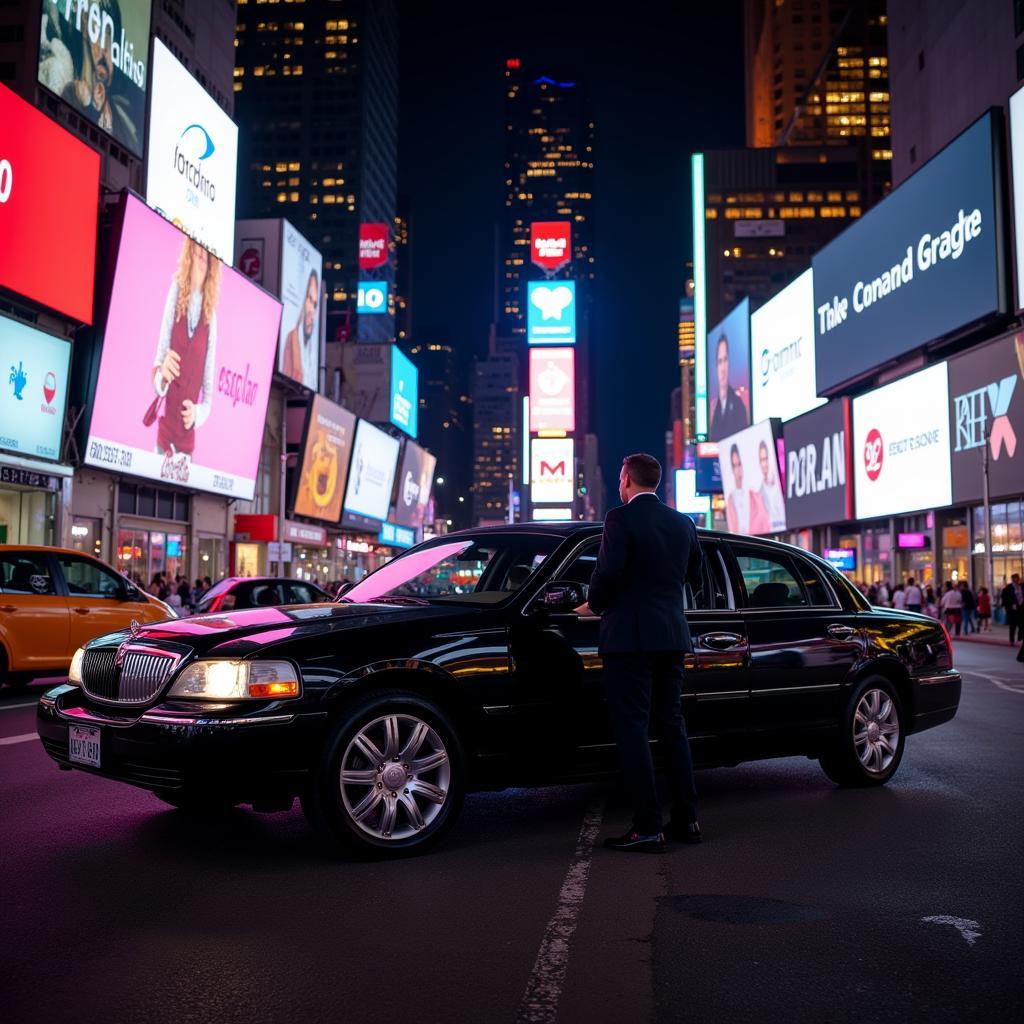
(804, 903)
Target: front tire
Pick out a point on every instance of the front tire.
(391, 779)
(871, 737)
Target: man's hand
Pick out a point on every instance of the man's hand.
(586, 612)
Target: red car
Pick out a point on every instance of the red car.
(236, 592)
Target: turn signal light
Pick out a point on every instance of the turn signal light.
(282, 688)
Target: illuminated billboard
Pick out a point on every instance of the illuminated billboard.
(325, 457)
(371, 476)
(728, 374)
(404, 392)
(187, 360)
(372, 297)
(551, 313)
(551, 244)
(552, 389)
(414, 482)
(49, 196)
(302, 273)
(192, 156)
(782, 348)
(552, 470)
(373, 246)
(93, 54)
(687, 500)
(819, 477)
(751, 482)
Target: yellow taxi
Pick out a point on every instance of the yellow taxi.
(52, 601)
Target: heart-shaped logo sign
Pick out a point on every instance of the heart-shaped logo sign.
(552, 302)
(49, 387)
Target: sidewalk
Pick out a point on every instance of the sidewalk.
(999, 637)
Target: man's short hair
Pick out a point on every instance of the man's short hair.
(643, 470)
(722, 340)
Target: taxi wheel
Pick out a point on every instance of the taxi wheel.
(391, 779)
(871, 737)
(18, 680)
(195, 802)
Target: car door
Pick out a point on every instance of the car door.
(803, 643)
(33, 615)
(96, 599)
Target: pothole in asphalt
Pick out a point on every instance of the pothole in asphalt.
(743, 909)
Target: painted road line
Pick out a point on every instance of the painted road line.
(1003, 684)
(539, 1004)
(12, 707)
(9, 741)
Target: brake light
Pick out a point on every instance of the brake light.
(949, 644)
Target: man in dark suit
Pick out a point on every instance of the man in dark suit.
(728, 413)
(1012, 599)
(648, 554)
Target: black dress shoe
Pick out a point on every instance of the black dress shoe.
(634, 842)
(684, 832)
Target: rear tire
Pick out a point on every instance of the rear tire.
(872, 732)
(18, 681)
(390, 781)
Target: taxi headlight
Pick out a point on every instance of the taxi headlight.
(237, 680)
(75, 672)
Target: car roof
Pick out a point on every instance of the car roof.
(51, 548)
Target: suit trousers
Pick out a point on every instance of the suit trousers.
(644, 692)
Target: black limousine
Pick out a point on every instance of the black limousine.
(461, 665)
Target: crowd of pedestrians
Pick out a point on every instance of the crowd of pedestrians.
(963, 609)
(176, 591)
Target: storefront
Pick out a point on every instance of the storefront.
(30, 504)
(1007, 542)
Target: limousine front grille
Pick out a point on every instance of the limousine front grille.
(131, 675)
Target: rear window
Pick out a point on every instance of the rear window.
(776, 579)
(23, 572)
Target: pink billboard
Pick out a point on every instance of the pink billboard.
(188, 356)
(552, 389)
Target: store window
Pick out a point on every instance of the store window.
(142, 554)
(87, 535)
(152, 502)
(1007, 542)
(876, 548)
(211, 558)
(27, 516)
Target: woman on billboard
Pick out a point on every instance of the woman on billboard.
(186, 351)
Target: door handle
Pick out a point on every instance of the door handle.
(81, 611)
(840, 632)
(720, 641)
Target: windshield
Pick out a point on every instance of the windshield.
(480, 570)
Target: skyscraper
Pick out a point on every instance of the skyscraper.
(496, 399)
(316, 98)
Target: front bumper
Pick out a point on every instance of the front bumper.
(242, 752)
(936, 699)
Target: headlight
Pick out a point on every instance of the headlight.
(237, 680)
(75, 672)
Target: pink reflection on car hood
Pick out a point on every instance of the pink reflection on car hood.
(403, 569)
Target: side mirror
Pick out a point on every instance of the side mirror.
(560, 597)
(132, 593)
(344, 589)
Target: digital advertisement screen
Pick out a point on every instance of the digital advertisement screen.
(373, 246)
(706, 465)
(782, 351)
(325, 457)
(551, 244)
(49, 196)
(371, 477)
(751, 482)
(552, 389)
(551, 313)
(819, 477)
(901, 445)
(922, 263)
(302, 274)
(93, 55)
(687, 500)
(187, 360)
(728, 383)
(1017, 178)
(372, 297)
(986, 400)
(32, 411)
(843, 559)
(193, 156)
(405, 402)
(551, 515)
(552, 470)
(414, 482)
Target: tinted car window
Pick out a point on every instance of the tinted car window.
(581, 568)
(301, 593)
(87, 579)
(260, 595)
(769, 580)
(25, 573)
(717, 593)
(817, 594)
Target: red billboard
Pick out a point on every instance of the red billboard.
(373, 246)
(49, 193)
(551, 244)
(552, 389)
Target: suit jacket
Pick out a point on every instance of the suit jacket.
(648, 554)
(1008, 597)
(729, 417)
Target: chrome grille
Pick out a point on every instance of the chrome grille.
(140, 676)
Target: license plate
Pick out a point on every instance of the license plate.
(84, 745)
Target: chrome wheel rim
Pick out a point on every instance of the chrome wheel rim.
(395, 777)
(876, 731)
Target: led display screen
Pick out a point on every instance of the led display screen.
(373, 246)
(414, 482)
(819, 478)
(551, 313)
(552, 469)
(371, 477)
(325, 458)
(754, 496)
(552, 389)
(405, 401)
(728, 368)
(551, 244)
(372, 297)
(302, 273)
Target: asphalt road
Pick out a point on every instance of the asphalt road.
(806, 903)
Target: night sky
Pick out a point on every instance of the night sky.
(666, 79)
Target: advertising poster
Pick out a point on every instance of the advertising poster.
(728, 363)
(373, 246)
(551, 244)
(405, 401)
(93, 55)
(923, 262)
(36, 390)
(783, 382)
(366, 380)
(372, 297)
(49, 196)
(1017, 179)
(325, 457)
(687, 500)
(551, 313)
(552, 470)
(193, 156)
(371, 476)
(302, 269)
(819, 477)
(986, 406)
(901, 445)
(552, 389)
(186, 365)
(708, 469)
(751, 481)
(414, 482)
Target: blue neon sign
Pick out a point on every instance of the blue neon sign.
(551, 313)
(372, 297)
(404, 392)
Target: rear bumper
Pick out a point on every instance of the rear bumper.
(241, 753)
(936, 699)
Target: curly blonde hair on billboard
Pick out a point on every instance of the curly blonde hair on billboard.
(183, 277)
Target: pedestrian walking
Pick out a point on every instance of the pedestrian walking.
(951, 606)
(899, 597)
(984, 610)
(931, 605)
(649, 552)
(969, 604)
(915, 599)
(1012, 600)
